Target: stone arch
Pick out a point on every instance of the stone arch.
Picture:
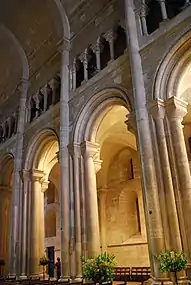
(20, 51)
(170, 70)
(6, 169)
(104, 99)
(41, 145)
(65, 21)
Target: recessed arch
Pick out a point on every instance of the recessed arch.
(42, 152)
(170, 70)
(100, 103)
(6, 169)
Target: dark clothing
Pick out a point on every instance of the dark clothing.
(58, 269)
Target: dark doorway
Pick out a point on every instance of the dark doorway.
(50, 251)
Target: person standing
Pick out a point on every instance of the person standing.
(58, 268)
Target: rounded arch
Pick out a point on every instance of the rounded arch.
(100, 103)
(170, 70)
(38, 155)
(20, 51)
(6, 169)
(64, 19)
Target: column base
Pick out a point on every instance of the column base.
(165, 282)
(64, 279)
(78, 279)
(23, 277)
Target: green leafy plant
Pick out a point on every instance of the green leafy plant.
(172, 261)
(99, 269)
(43, 261)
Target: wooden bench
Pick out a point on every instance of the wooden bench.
(134, 274)
(122, 274)
(140, 274)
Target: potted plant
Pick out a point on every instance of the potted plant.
(44, 262)
(172, 261)
(99, 269)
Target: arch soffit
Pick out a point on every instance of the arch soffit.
(6, 169)
(65, 21)
(37, 143)
(169, 72)
(20, 51)
(85, 127)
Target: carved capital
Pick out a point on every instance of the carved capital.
(83, 57)
(109, 36)
(175, 108)
(131, 123)
(25, 175)
(45, 186)
(74, 150)
(37, 175)
(157, 109)
(96, 47)
(89, 149)
(143, 11)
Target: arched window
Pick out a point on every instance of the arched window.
(154, 16)
(50, 224)
(33, 109)
(49, 96)
(105, 55)
(174, 7)
(79, 73)
(6, 130)
(41, 103)
(57, 89)
(12, 126)
(120, 43)
(1, 134)
(51, 193)
(92, 65)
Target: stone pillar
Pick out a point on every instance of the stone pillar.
(163, 9)
(143, 14)
(149, 182)
(102, 194)
(64, 164)
(36, 226)
(90, 153)
(157, 109)
(25, 178)
(176, 110)
(110, 38)
(84, 59)
(96, 50)
(76, 154)
(15, 243)
(74, 75)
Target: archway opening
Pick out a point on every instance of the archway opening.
(184, 93)
(6, 179)
(120, 201)
(45, 201)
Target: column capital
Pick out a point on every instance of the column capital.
(74, 149)
(109, 36)
(102, 192)
(131, 123)
(143, 10)
(96, 47)
(45, 186)
(5, 189)
(89, 149)
(25, 175)
(175, 108)
(157, 109)
(37, 175)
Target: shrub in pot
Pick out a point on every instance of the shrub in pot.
(172, 261)
(99, 269)
(44, 262)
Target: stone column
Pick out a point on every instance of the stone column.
(90, 152)
(176, 110)
(74, 75)
(64, 164)
(76, 154)
(163, 9)
(143, 14)
(15, 243)
(25, 178)
(96, 50)
(36, 221)
(157, 109)
(102, 194)
(84, 59)
(149, 182)
(110, 38)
